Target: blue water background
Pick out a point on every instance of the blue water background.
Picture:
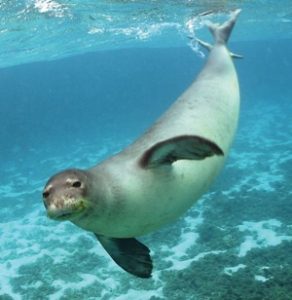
(117, 94)
(80, 110)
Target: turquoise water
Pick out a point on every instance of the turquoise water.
(80, 80)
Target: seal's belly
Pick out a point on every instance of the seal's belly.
(160, 196)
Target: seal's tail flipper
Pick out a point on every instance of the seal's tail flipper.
(222, 32)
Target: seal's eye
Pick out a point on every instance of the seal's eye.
(76, 184)
(46, 194)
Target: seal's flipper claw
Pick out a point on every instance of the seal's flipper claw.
(204, 44)
(181, 147)
(209, 47)
(234, 55)
(129, 254)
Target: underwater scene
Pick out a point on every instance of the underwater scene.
(82, 80)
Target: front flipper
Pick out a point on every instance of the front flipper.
(129, 254)
(181, 147)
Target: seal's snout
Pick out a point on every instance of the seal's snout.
(64, 195)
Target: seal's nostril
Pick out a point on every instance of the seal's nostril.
(46, 194)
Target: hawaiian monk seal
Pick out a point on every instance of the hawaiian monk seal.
(157, 178)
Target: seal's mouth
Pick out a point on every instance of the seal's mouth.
(68, 212)
(60, 215)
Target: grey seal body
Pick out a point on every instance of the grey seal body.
(157, 178)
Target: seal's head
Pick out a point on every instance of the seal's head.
(66, 194)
